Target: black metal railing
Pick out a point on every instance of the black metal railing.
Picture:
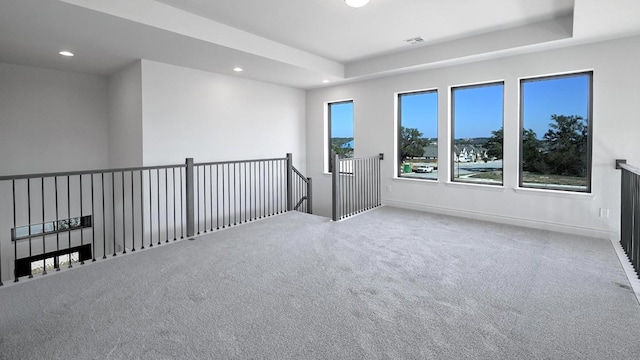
(301, 192)
(234, 192)
(630, 212)
(356, 186)
(112, 211)
(93, 214)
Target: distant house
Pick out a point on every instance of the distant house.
(431, 152)
(462, 153)
(469, 153)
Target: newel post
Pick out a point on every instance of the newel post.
(335, 185)
(289, 182)
(190, 203)
(309, 196)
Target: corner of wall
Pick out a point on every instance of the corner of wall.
(125, 116)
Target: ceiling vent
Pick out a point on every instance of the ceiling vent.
(415, 40)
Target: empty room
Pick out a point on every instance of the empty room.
(326, 179)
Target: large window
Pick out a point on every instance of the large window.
(340, 123)
(418, 135)
(555, 142)
(477, 119)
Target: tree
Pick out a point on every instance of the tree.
(343, 152)
(340, 147)
(494, 144)
(532, 157)
(412, 143)
(566, 142)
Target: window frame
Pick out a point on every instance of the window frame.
(328, 137)
(399, 95)
(452, 162)
(51, 227)
(589, 118)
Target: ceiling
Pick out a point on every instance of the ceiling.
(333, 30)
(298, 43)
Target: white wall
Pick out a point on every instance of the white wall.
(615, 130)
(51, 120)
(125, 113)
(146, 114)
(211, 117)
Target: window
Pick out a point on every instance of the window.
(340, 123)
(52, 227)
(54, 262)
(555, 142)
(418, 135)
(477, 118)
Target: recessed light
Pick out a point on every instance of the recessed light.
(66, 53)
(238, 69)
(325, 81)
(356, 3)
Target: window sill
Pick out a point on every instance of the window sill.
(489, 187)
(555, 193)
(415, 180)
(331, 174)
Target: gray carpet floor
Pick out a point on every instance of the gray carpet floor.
(387, 284)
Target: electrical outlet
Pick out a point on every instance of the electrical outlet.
(604, 213)
(388, 188)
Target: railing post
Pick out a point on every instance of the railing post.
(190, 204)
(289, 182)
(620, 161)
(379, 180)
(309, 196)
(335, 185)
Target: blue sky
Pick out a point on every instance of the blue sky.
(561, 96)
(479, 109)
(342, 119)
(420, 111)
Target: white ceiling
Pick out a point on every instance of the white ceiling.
(298, 43)
(331, 29)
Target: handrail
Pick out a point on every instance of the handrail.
(304, 178)
(302, 200)
(363, 158)
(134, 208)
(300, 189)
(238, 161)
(625, 166)
(88, 172)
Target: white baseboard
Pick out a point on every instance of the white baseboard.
(509, 220)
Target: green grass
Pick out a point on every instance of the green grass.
(533, 178)
(489, 175)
